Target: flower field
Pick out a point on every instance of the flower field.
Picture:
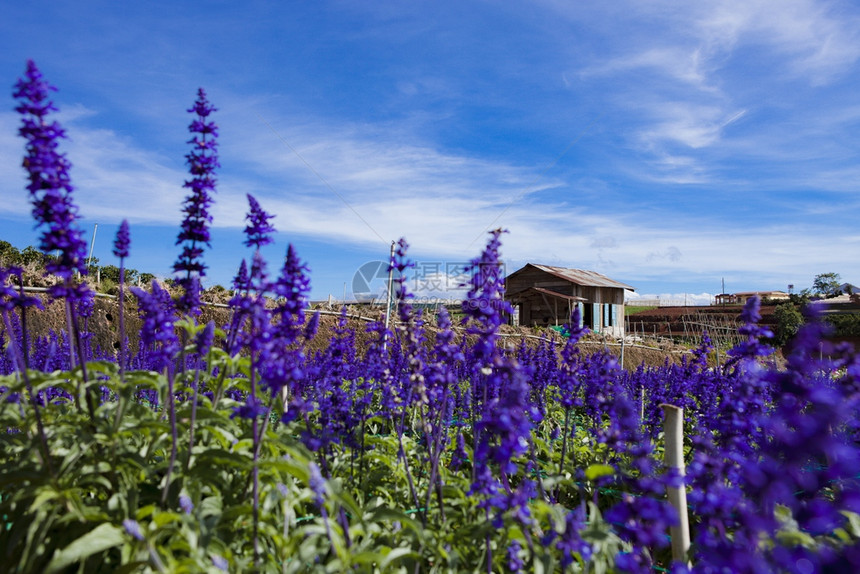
(437, 447)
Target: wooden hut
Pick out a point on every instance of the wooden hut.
(543, 295)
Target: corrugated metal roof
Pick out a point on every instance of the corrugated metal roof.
(580, 276)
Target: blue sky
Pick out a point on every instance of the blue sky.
(668, 145)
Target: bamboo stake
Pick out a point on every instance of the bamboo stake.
(673, 429)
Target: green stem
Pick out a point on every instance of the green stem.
(174, 435)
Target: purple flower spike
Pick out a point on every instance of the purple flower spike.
(220, 563)
(49, 183)
(312, 326)
(205, 338)
(258, 228)
(186, 504)
(10, 298)
(242, 282)
(515, 561)
(157, 312)
(190, 299)
(485, 302)
(253, 408)
(292, 287)
(132, 527)
(317, 483)
(202, 161)
(123, 239)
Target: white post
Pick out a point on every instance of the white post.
(673, 431)
(92, 243)
(622, 350)
(389, 295)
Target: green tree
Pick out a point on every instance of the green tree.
(788, 321)
(111, 272)
(826, 283)
(31, 255)
(92, 266)
(8, 253)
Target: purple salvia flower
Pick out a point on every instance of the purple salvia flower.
(439, 374)
(337, 418)
(202, 161)
(132, 527)
(252, 408)
(258, 228)
(568, 381)
(283, 365)
(317, 483)
(485, 302)
(220, 563)
(122, 241)
(84, 306)
(49, 183)
(10, 298)
(411, 327)
(459, 456)
(205, 338)
(515, 561)
(157, 332)
(312, 326)
(642, 520)
(746, 352)
(570, 541)
(238, 303)
(484, 308)
(241, 281)
(259, 279)
(190, 299)
(505, 429)
(400, 263)
(186, 504)
(120, 249)
(292, 289)
(503, 414)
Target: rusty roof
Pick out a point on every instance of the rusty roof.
(578, 276)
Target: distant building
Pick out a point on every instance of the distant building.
(742, 297)
(543, 295)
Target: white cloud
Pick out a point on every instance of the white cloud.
(692, 125)
(678, 71)
(680, 63)
(820, 40)
(113, 178)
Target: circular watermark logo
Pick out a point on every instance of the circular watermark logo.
(370, 282)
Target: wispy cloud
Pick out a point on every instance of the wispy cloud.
(681, 81)
(113, 177)
(820, 41)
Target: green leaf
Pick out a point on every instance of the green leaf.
(398, 554)
(598, 470)
(853, 522)
(97, 540)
